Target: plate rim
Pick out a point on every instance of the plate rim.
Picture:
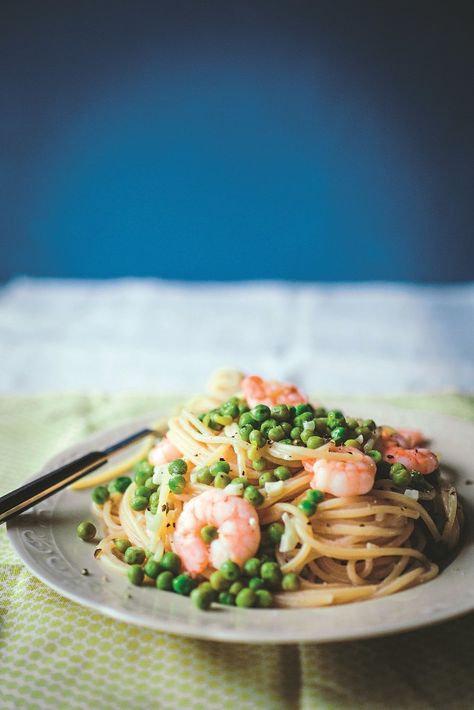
(180, 627)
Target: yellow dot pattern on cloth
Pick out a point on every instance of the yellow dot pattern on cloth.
(57, 654)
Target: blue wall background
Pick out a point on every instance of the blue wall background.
(210, 140)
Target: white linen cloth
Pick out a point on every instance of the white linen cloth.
(140, 334)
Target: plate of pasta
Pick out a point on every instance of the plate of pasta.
(258, 514)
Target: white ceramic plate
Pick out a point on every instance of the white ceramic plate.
(45, 539)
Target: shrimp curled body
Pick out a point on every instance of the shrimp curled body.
(422, 460)
(270, 392)
(343, 478)
(237, 525)
(164, 452)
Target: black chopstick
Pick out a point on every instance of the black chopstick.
(26, 496)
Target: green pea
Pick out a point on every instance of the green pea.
(135, 574)
(177, 484)
(218, 581)
(258, 438)
(275, 532)
(375, 455)
(286, 440)
(170, 561)
(364, 432)
(305, 435)
(206, 585)
(276, 433)
(221, 480)
(210, 423)
(252, 567)
(86, 531)
(302, 418)
(264, 598)
(231, 408)
(303, 408)
(307, 507)
(152, 569)
(314, 442)
(353, 443)
(154, 499)
(222, 419)
(290, 582)
(335, 418)
(243, 407)
(204, 476)
(230, 570)
(281, 413)
(209, 533)
(134, 555)
(178, 467)
(314, 495)
(282, 473)
(416, 480)
(319, 412)
(260, 464)
(400, 475)
(261, 412)
(246, 419)
(139, 503)
(235, 587)
(271, 574)
(321, 425)
(219, 467)
(100, 495)
(202, 598)
(183, 584)
(142, 492)
(149, 483)
(266, 477)
(287, 427)
(142, 471)
(296, 432)
(120, 484)
(164, 581)
(241, 480)
(253, 495)
(369, 423)
(253, 453)
(256, 583)
(245, 598)
(245, 431)
(338, 434)
(226, 598)
(122, 544)
(267, 425)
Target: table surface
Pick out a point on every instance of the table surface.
(167, 337)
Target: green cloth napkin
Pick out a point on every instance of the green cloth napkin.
(57, 654)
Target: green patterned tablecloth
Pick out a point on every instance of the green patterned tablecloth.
(56, 654)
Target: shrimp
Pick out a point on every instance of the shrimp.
(422, 460)
(237, 525)
(270, 392)
(408, 438)
(343, 478)
(164, 452)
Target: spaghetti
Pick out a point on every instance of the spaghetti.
(303, 507)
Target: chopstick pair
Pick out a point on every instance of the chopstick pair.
(24, 497)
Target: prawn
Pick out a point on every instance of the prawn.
(238, 531)
(408, 438)
(422, 460)
(342, 478)
(164, 452)
(256, 390)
